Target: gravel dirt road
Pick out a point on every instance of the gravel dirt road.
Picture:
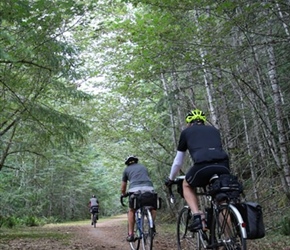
(108, 234)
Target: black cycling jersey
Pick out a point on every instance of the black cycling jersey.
(203, 143)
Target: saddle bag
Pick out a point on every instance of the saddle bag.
(253, 217)
(149, 199)
(228, 184)
(95, 209)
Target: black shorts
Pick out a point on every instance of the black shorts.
(200, 174)
(131, 200)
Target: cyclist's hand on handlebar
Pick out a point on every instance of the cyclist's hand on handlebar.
(121, 199)
(168, 182)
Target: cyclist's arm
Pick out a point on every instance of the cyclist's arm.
(123, 187)
(177, 164)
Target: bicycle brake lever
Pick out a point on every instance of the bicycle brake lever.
(172, 199)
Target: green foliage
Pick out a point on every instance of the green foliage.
(8, 222)
(31, 221)
(285, 225)
(31, 233)
(157, 59)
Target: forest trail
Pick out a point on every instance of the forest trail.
(109, 233)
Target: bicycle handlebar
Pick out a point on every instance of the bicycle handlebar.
(172, 198)
(175, 181)
(122, 197)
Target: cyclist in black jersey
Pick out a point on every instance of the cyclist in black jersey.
(139, 180)
(204, 145)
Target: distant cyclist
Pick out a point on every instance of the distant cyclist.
(205, 148)
(137, 175)
(94, 206)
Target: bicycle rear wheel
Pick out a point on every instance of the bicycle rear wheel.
(148, 231)
(186, 240)
(228, 229)
(95, 219)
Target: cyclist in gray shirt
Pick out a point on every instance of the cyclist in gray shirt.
(139, 180)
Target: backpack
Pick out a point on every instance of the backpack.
(226, 184)
(253, 217)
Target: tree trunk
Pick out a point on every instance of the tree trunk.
(279, 119)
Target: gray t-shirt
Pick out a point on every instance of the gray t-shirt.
(94, 202)
(137, 175)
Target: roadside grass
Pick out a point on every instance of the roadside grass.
(82, 222)
(166, 228)
(31, 233)
(47, 231)
(274, 239)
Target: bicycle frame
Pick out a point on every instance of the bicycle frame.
(138, 222)
(143, 221)
(240, 220)
(226, 228)
(223, 216)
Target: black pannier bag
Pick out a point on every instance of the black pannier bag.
(228, 184)
(95, 209)
(253, 217)
(146, 199)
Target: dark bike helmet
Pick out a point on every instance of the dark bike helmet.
(195, 115)
(131, 159)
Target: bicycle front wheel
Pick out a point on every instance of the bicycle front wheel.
(186, 240)
(148, 231)
(136, 243)
(228, 229)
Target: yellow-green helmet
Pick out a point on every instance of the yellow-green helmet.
(195, 115)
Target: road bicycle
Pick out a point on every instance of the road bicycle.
(95, 217)
(144, 229)
(223, 225)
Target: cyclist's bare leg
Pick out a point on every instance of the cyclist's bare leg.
(222, 216)
(153, 212)
(190, 196)
(131, 220)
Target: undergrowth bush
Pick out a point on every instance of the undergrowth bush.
(31, 221)
(285, 226)
(51, 219)
(8, 222)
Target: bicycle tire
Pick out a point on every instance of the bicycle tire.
(135, 245)
(94, 220)
(229, 231)
(186, 240)
(147, 230)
